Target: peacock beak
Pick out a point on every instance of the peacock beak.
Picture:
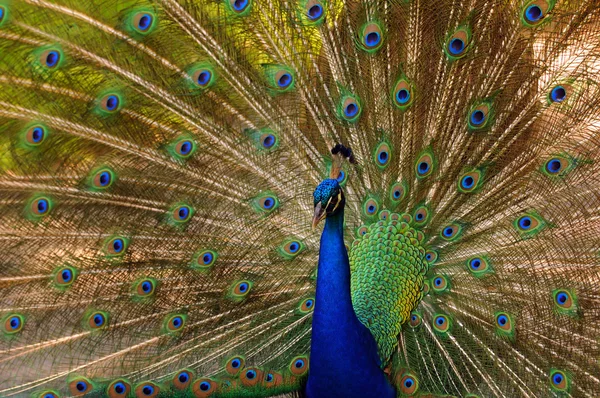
(319, 215)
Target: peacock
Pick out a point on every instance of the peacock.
(299, 198)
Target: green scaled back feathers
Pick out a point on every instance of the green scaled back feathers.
(157, 160)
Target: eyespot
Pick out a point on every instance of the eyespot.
(118, 388)
(314, 11)
(242, 288)
(251, 377)
(382, 155)
(529, 224)
(2, 13)
(362, 231)
(525, 223)
(175, 323)
(424, 165)
(13, 323)
(457, 44)
(372, 37)
(268, 141)
(441, 323)
(558, 94)
(402, 94)
(479, 266)
(204, 259)
(234, 365)
(80, 386)
(503, 321)
(65, 276)
(143, 21)
(535, 12)
(440, 284)
(272, 379)
(398, 192)
(350, 109)
(116, 246)
(35, 135)
(414, 320)
(479, 117)
(299, 366)
(46, 394)
(370, 207)
(421, 215)
(147, 390)
(145, 287)
(40, 206)
(431, 256)
(240, 6)
(50, 58)
(182, 213)
(504, 325)
(102, 178)
(565, 302)
(185, 148)
(469, 182)
(183, 379)
(341, 178)
(202, 77)
(110, 103)
(307, 305)
(450, 232)
(556, 165)
(203, 388)
(559, 380)
(291, 249)
(266, 203)
(408, 384)
(98, 320)
(284, 79)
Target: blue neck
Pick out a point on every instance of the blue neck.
(343, 353)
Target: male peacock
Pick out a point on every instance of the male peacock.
(158, 169)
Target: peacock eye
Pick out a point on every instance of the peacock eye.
(239, 6)
(533, 13)
(558, 94)
(234, 365)
(182, 213)
(268, 141)
(202, 77)
(143, 21)
(118, 388)
(110, 103)
(97, 320)
(184, 147)
(383, 155)
(315, 12)
(525, 223)
(147, 389)
(64, 276)
(13, 324)
(372, 36)
(115, 246)
(204, 386)
(284, 79)
(182, 379)
(50, 58)
(299, 366)
(80, 386)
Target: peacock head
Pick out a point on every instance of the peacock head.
(329, 200)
